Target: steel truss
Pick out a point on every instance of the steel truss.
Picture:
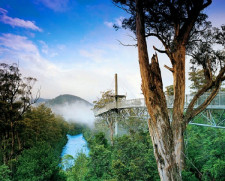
(214, 118)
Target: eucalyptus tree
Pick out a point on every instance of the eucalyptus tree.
(106, 98)
(169, 90)
(182, 28)
(15, 99)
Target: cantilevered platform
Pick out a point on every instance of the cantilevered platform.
(217, 103)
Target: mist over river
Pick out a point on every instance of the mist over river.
(76, 144)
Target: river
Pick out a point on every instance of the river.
(75, 145)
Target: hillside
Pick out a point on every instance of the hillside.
(42, 100)
(66, 99)
(72, 108)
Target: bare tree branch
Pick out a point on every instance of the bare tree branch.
(160, 51)
(126, 10)
(135, 39)
(206, 102)
(191, 112)
(169, 54)
(170, 69)
(129, 45)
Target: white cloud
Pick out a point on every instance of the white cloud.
(95, 55)
(91, 72)
(118, 22)
(56, 5)
(84, 78)
(17, 42)
(109, 24)
(46, 50)
(17, 22)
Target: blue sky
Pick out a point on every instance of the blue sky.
(71, 47)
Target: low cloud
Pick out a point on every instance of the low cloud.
(17, 22)
(77, 113)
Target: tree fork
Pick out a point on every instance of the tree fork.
(159, 125)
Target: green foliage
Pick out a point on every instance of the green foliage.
(99, 164)
(75, 128)
(37, 163)
(169, 90)
(79, 170)
(100, 158)
(188, 176)
(206, 151)
(41, 125)
(67, 162)
(133, 158)
(106, 97)
(197, 78)
(15, 100)
(5, 173)
(31, 138)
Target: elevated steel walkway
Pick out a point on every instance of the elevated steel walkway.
(123, 108)
(217, 103)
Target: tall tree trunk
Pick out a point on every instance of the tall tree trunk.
(19, 142)
(159, 125)
(110, 124)
(111, 134)
(178, 126)
(12, 139)
(4, 148)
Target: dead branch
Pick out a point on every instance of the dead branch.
(135, 39)
(170, 69)
(129, 45)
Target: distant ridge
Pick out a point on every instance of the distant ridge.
(66, 99)
(41, 100)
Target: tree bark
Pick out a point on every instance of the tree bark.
(152, 87)
(178, 125)
(111, 135)
(111, 125)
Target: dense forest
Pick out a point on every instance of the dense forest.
(31, 137)
(131, 157)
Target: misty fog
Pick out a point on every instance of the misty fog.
(77, 112)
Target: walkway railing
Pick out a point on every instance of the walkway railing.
(217, 103)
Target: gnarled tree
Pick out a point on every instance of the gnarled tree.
(181, 27)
